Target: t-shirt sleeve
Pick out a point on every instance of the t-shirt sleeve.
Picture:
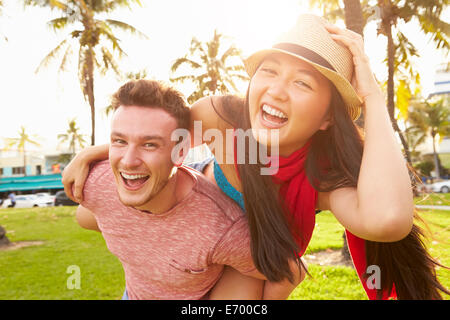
(233, 249)
(94, 187)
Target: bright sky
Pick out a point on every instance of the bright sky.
(45, 102)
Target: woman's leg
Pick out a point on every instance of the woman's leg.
(233, 285)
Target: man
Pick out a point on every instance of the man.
(12, 198)
(172, 230)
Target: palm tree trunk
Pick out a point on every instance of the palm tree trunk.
(354, 21)
(24, 162)
(90, 91)
(436, 160)
(390, 83)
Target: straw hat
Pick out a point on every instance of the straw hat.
(312, 43)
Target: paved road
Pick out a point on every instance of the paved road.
(433, 207)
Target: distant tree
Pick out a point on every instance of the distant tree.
(424, 167)
(94, 37)
(210, 71)
(20, 143)
(73, 136)
(431, 118)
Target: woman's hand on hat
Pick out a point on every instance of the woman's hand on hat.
(363, 79)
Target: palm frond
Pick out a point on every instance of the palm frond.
(76, 34)
(108, 110)
(105, 30)
(33, 142)
(108, 6)
(235, 68)
(109, 62)
(438, 29)
(125, 27)
(51, 55)
(10, 142)
(58, 23)
(182, 78)
(65, 59)
(196, 46)
(53, 4)
(63, 137)
(231, 52)
(180, 61)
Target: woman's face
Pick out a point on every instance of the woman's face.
(289, 95)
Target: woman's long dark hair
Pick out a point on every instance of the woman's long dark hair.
(405, 263)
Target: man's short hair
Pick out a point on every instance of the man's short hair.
(153, 94)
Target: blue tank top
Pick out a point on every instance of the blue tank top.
(221, 180)
(226, 187)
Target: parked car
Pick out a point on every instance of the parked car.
(47, 196)
(61, 199)
(28, 201)
(441, 186)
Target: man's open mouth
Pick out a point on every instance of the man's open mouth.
(134, 181)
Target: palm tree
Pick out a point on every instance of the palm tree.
(428, 15)
(430, 118)
(211, 74)
(94, 37)
(73, 136)
(21, 142)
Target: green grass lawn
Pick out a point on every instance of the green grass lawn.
(436, 199)
(40, 272)
(445, 159)
(340, 282)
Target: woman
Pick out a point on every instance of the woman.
(308, 88)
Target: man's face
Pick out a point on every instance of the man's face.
(140, 152)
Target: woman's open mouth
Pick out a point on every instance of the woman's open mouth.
(272, 118)
(134, 181)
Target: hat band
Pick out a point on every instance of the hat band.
(305, 53)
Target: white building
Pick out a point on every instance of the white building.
(442, 80)
(12, 163)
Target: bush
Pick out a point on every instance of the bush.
(424, 167)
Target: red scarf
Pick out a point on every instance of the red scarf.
(299, 195)
(300, 198)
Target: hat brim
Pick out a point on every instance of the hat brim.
(351, 99)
